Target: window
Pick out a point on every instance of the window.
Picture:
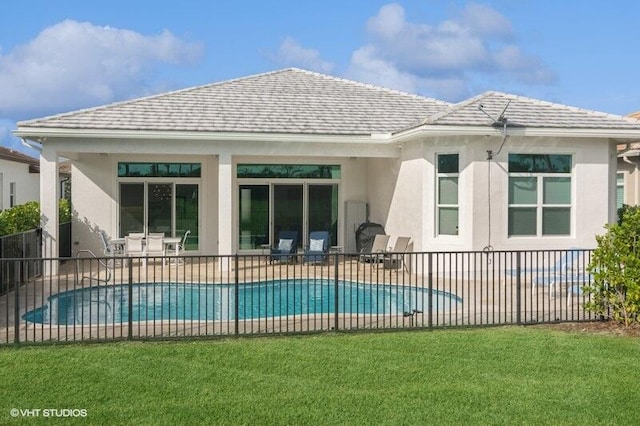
(288, 171)
(447, 194)
(539, 195)
(12, 194)
(170, 208)
(619, 190)
(159, 170)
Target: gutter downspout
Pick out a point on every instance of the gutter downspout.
(31, 144)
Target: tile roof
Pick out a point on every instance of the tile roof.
(294, 101)
(17, 156)
(284, 101)
(527, 112)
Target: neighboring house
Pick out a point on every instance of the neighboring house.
(19, 178)
(235, 162)
(628, 176)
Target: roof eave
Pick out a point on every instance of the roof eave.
(42, 134)
(447, 130)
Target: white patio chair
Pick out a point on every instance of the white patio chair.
(181, 245)
(133, 246)
(155, 246)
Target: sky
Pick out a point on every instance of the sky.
(60, 56)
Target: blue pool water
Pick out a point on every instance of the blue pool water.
(202, 302)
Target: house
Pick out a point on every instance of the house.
(19, 178)
(628, 176)
(237, 161)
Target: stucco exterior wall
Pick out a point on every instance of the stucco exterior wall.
(593, 192)
(400, 191)
(405, 192)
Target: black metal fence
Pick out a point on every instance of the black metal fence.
(26, 245)
(100, 299)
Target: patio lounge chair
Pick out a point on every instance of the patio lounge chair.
(287, 247)
(318, 249)
(395, 258)
(378, 249)
(569, 271)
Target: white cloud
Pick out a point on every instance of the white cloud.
(445, 59)
(367, 66)
(291, 53)
(73, 64)
(7, 139)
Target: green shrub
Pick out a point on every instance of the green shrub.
(64, 210)
(622, 211)
(615, 265)
(20, 218)
(25, 217)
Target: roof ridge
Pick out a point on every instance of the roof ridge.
(367, 85)
(456, 107)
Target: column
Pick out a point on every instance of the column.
(49, 190)
(225, 209)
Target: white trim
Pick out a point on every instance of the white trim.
(441, 130)
(40, 135)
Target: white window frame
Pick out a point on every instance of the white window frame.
(437, 194)
(620, 178)
(540, 205)
(12, 194)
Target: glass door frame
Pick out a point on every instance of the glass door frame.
(271, 182)
(160, 180)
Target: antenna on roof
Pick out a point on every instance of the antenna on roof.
(501, 121)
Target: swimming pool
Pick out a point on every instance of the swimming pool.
(206, 302)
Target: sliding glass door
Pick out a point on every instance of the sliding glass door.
(131, 208)
(254, 216)
(160, 207)
(288, 210)
(186, 213)
(323, 210)
(267, 209)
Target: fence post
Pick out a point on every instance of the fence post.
(236, 307)
(336, 297)
(130, 304)
(430, 289)
(518, 290)
(16, 292)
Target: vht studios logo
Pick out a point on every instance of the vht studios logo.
(48, 412)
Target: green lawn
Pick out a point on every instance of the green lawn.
(499, 375)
